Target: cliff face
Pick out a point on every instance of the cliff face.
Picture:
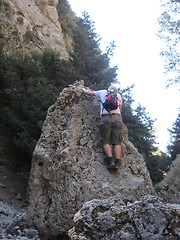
(69, 168)
(32, 25)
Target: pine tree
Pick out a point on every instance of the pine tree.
(89, 61)
(169, 32)
(174, 146)
(140, 126)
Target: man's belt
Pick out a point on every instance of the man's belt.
(109, 114)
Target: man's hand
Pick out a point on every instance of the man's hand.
(83, 90)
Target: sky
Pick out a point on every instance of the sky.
(133, 27)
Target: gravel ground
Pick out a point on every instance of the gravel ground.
(13, 207)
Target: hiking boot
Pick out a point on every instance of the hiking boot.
(117, 163)
(110, 163)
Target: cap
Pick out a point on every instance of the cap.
(113, 87)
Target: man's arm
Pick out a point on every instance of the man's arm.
(88, 92)
(120, 107)
(120, 102)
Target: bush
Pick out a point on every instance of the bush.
(29, 86)
(29, 36)
(20, 20)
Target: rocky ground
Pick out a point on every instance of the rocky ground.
(13, 207)
(12, 189)
(13, 202)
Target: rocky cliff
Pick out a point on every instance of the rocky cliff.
(69, 168)
(32, 25)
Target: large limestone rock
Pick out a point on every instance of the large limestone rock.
(147, 219)
(169, 187)
(32, 25)
(68, 166)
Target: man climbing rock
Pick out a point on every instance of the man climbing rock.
(111, 123)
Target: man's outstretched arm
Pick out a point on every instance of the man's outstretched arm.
(88, 92)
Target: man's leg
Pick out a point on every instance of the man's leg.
(105, 132)
(108, 150)
(117, 153)
(117, 138)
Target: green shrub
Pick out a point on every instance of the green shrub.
(29, 36)
(20, 20)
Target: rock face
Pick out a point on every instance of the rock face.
(149, 218)
(169, 187)
(32, 25)
(68, 166)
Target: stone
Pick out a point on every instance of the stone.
(13, 224)
(69, 167)
(148, 218)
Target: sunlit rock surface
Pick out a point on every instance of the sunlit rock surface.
(69, 168)
(33, 25)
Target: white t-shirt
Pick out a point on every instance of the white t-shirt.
(101, 94)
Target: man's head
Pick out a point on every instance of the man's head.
(113, 87)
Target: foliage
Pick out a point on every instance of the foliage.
(20, 20)
(89, 62)
(28, 93)
(158, 166)
(66, 17)
(59, 73)
(145, 139)
(174, 145)
(29, 36)
(141, 134)
(140, 126)
(169, 32)
(21, 71)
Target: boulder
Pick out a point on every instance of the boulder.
(169, 187)
(149, 218)
(69, 167)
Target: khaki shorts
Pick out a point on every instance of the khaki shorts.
(111, 129)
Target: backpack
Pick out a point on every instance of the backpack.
(111, 102)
